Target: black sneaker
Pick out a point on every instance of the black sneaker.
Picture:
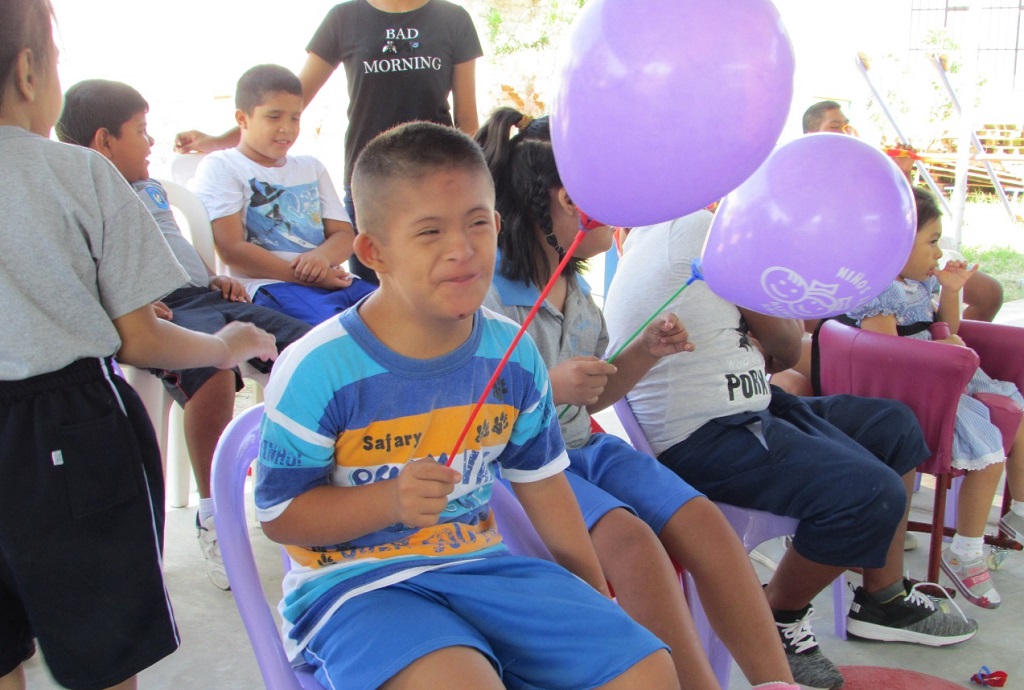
(913, 618)
(809, 666)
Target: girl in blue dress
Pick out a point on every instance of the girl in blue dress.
(977, 443)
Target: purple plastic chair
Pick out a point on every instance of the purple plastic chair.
(754, 527)
(235, 453)
(236, 450)
(861, 362)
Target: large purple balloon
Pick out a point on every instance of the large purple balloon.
(664, 106)
(823, 226)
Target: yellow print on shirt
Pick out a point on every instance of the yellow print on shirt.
(447, 539)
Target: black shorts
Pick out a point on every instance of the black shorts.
(81, 528)
(206, 311)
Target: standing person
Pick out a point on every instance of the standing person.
(277, 220)
(110, 117)
(638, 512)
(403, 60)
(395, 554)
(843, 466)
(977, 443)
(81, 482)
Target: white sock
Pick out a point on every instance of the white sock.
(1017, 507)
(205, 508)
(967, 548)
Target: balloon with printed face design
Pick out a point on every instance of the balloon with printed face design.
(664, 106)
(823, 226)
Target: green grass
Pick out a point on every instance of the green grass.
(1002, 263)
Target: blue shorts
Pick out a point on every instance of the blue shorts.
(835, 463)
(311, 304)
(608, 473)
(538, 624)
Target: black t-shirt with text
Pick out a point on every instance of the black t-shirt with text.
(399, 64)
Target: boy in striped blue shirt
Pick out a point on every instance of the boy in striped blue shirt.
(400, 576)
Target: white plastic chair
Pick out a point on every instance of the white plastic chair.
(167, 416)
(183, 167)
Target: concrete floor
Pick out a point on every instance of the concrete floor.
(215, 652)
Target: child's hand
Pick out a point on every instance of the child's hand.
(310, 267)
(245, 341)
(955, 274)
(193, 140)
(230, 289)
(666, 336)
(336, 278)
(421, 492)
(580, 380)
(953, 339)
(162, 311)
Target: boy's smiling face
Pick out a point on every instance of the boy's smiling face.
(271, 129)
(436, 255)
(130, 152)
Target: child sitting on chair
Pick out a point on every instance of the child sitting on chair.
(277, 220)
(396, 554)
(110, 117)
(977, 443)
(612, 482)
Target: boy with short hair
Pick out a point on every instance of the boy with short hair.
(277, 220)
(81, 485)
(110, 117)
(400, 555)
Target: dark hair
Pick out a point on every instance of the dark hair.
(927, 207)
(524, 172)
(409, 151)
(815, 115)
(96, 104)
(261, 80)
(26, 24)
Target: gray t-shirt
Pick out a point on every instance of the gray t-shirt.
(154, 196)
(577, 331)
(77, 250)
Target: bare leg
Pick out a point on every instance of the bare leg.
(701, 540)
(450, 668)
(975, 500)
(129, 684)
(793, 382)
(798, 580)
(983, 296)
(653, 672)
(15, 680)
(648, 589)
(206, 414)
(876, 579)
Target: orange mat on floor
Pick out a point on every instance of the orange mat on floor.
(877, 678)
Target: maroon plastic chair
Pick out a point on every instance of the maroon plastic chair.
(929, 377)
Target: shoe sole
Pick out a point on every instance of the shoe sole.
(882, 633)
(980, 602)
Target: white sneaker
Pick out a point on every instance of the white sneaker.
(1012, 525)
(909, 541)
(207, 536)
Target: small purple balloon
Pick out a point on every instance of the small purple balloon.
(823, 226)
(664, 106)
